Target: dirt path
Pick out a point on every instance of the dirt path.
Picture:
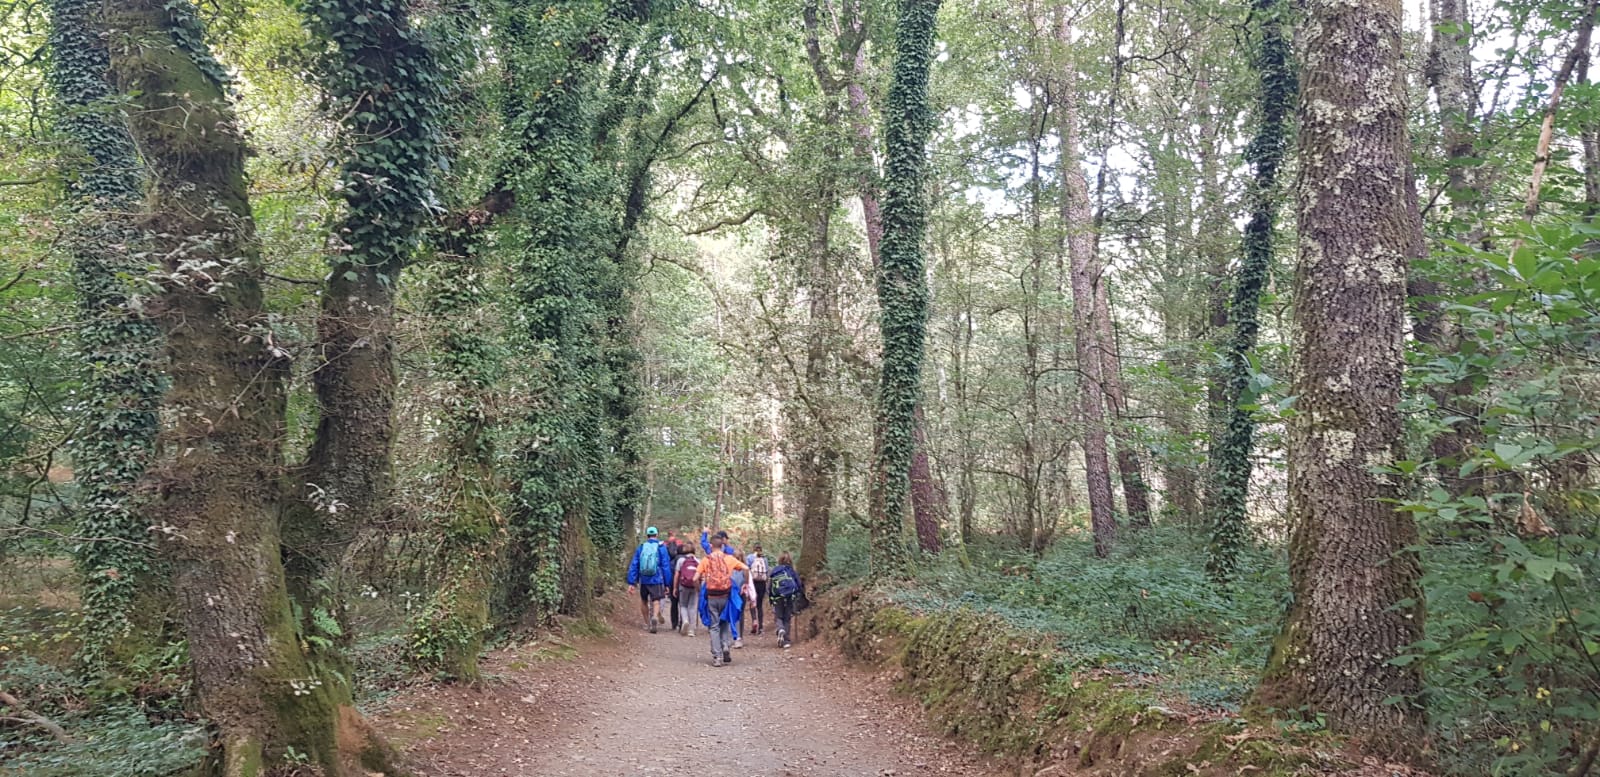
(633, 704)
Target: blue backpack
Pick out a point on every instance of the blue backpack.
(649, 559)
(784, 582)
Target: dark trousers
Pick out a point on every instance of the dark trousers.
(783, 607)
(676, 622)
(761, 600)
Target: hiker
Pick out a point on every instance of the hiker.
(686, 592)
(786, 589)
(739, 580)
(757, 561)
(675, 549)
(727, 544)
(719, 598)
(649, 571)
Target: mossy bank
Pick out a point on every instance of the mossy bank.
(1011, 693)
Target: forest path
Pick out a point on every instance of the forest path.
(634, 704)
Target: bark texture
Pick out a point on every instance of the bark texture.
(383, 81)
(216, 491)
(1450, 77)
(1135, 492)
(1356, 586)
(1077, 217)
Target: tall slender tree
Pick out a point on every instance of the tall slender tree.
(1226, 498)
(1077, 218)
(1357, 598)
(902, 286)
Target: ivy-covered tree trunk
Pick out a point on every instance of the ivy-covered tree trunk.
(1357, 598)
(448, 634)
(217, 489)
(902, 287)
(565, 286)
(1078, 219)
(117, 342)
(382, 83)
(1227, 498)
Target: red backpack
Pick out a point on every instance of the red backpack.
(686, 571)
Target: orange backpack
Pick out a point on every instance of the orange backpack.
(718, 575)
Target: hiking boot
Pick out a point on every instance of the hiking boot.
(783, 637)
(727, 658)
(716, 660)
(652, 625)
(738, 643)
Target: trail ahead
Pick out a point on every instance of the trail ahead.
(634, 704)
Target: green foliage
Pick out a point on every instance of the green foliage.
(384, 81)
(120, 741)
(1227, 497)
(117, 343)
(575, 459)
(902, 286)
(1513, 639)
(1148, 610)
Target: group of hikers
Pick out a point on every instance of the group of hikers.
(713, 588)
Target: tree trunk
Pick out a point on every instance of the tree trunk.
(121, 391)
(449, 634)
(1228, 497)
(218, 488)
(1078, 219)
(1541, 154)
(902, 286)
(1357, 598)
(1135, 492)
(1450, 77)
(927, 496)
(816, 472)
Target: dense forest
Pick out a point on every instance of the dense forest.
(1246, 351)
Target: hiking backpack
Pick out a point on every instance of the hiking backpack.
(784, 583)
(686, 571)
(719, 577)
(758, 569)
(649, 559)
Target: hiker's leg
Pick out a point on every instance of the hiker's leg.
(689, 608)
(672, 607)
(761, 603)
(715, 605)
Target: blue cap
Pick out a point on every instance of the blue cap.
(651, 531)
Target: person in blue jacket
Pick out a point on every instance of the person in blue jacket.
(650, 579)
(738, 582)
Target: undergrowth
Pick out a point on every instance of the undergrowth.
(1511, 652)
(1149, 611)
